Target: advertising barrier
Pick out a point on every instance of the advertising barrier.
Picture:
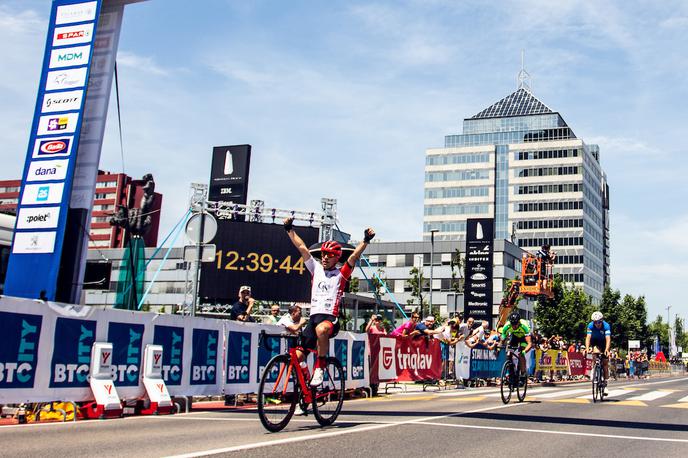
(404, 359)
(45, 352)
(486, 363)
(554, 360)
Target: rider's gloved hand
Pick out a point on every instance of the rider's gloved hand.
(288, 224)
(368, 235)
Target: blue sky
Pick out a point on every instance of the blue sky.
(341, 98)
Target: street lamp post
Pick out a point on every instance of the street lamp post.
(432, 256)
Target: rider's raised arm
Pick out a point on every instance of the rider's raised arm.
(296, 240)
(368, 235)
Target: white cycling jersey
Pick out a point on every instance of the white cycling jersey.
(327, 288)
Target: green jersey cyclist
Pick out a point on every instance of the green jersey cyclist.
(519, 330)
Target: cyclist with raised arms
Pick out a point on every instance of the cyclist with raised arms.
(328, 283)
(519, 331)
(598, 336)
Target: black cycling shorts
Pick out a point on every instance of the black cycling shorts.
(599, 344)
(516, 341)
(310, 339)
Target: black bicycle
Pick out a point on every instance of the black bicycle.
(598, 382)
(512, 380)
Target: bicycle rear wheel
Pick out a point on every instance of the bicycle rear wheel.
(329, 396)
(522, 386)
(506, 389)
(278, 393)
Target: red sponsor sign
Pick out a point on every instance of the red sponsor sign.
(577, 363)
(411, 359)
(68, 35)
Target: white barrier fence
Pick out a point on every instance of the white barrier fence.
(45, 352)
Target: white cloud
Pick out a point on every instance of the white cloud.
(623, 147)
(144, 64)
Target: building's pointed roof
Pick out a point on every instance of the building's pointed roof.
(519, 103)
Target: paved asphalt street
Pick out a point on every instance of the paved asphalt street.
(640, 418)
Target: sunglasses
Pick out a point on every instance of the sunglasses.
(328, 255)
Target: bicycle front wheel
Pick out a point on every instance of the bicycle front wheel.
(505, 389)
(277, 393)
(595, 382)
(328, 398)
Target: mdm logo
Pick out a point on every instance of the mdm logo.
(19, 350)
(71, 361)
(126, 341)
(204, 357)
(172, 340)
(67, 57)
(358, 359)
(52, 147)
(266, 354)
(238, 357)
(341, 352)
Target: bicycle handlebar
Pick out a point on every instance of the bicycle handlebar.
(263, 341)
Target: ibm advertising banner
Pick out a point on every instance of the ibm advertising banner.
(479, 254)
(51, 156)
(229, 173)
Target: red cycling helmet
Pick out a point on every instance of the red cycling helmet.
(331, 247)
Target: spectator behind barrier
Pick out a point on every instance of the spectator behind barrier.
(375, 325)
(424, 328)
(408, 328)
(274, 317)
(293, 321)
(466, 329)
(241, 309)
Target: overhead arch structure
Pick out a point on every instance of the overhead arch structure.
(49, 246)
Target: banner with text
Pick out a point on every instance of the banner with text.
(404, 359)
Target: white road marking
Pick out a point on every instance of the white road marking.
(330, 434)
(561, 393)
(683, 399)
(612, 394)
(650, 396)
(565, 433)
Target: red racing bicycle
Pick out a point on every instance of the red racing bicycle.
(284, 384)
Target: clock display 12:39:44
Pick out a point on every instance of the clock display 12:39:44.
(257, 262)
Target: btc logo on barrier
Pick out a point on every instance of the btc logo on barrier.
(341, 349)
(238, 357)
(203, 357)
(126, 341)
(71, 360)
(172, 340)
(19, 351)
(358, 359)
(264, 356)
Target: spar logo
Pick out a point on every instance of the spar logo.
(203, 356)
(71, 360)
(172, 340)
(387, 357)
(238, 357)
(126, 352)
(19, 350)
(72, 35)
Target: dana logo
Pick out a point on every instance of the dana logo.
(78, 12)
(38, 218)
(19, 351)
(72, 352)
(52, 147)
(238, 357)
(204, 356)
(67, 57)
(387, 357)
(47, 170)
(66, 79)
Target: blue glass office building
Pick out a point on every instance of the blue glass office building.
(519, 162)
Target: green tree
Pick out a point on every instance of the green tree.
(614, 315)
(417, 282)
(658, 328)
(679, 330)
(566, 314)
(457, 265)
(353, 286)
